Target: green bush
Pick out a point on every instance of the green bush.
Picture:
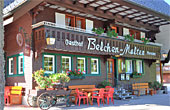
(104, 84)
(155, 85)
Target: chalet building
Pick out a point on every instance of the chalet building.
(29, 24)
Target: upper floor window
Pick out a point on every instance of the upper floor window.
(70, 20)
(80, 23)
(114, 28)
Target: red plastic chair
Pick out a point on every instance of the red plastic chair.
(108, 87)
(81, 95)
(6, 95)
(98, 96)
(109, 94)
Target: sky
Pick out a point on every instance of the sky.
(168, 1)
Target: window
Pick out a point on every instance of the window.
(114, 28)
(94, 66)
(49, 63)
(139, 66)
(121, 65)
(80, 23)
(135, 33)
(70, 20)
(11, 66)
(81, 64)
(129, 66)
(21, 66)
(66, 63)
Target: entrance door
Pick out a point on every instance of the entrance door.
(111, 71)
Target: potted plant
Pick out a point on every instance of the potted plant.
(104, 83)
(98, 31)
(111, 33)
(145, 40)
(129, 38)
(42, 81)
(135, 74)
(59, 78)
(76, 74)
(157, 86)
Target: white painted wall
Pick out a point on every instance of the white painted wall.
(164, 37)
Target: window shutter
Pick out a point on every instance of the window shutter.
(60, 19)
(142, 34)
(89, 25)
(125, 31)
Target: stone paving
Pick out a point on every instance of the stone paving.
(155, 102)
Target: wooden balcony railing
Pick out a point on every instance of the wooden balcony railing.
(73, 39)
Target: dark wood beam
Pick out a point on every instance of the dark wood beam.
(26, 8)
(130, 14)
(138, 16)
(145, 18)
(99, 13)
(87, 4)
(122, 11)
(158, 22)
(141, 9)
(153, 20)
(112, 8)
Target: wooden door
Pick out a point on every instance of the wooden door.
(111, 71)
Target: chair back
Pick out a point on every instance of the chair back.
(77, 92)
(101, 92)
(108, 87)
(111, 91)
(7, 91)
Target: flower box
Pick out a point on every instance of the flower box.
(136, 76)
(77, 77)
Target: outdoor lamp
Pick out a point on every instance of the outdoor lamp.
(49, 39)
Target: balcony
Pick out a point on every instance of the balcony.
(74, 39)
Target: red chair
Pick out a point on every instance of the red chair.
(109, 94)
(98, 96)
(6, 95)
(81, 95)
(108, 87)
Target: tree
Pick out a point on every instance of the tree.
(2, 62)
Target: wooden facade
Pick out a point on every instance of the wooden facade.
(116, 47)
(38, 20)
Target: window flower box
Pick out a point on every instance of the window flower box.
(77, 77)
(136, 76)
(76, 74)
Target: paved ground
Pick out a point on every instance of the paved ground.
(156, 102)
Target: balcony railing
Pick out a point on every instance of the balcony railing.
(73, 39)
(50, 24)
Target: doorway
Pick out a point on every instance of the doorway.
(111, 71)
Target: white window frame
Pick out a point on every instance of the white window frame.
(139, 70)
(9, 60)
(96, 67)
(81, 58)
(69, 61)
(53, 57)
(131, 62)
(19, 61)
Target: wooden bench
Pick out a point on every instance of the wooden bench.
(73, 88)
(15, 95)
(139, 87)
